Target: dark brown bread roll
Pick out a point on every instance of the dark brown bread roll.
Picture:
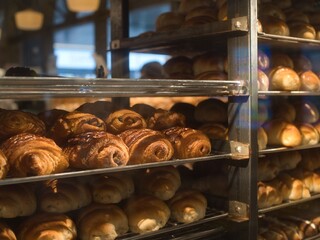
(275, 26)
(271, 10)
(124, 119)
(13, 122)
(145, 110)
(47, 226)
(146, 145)
(102, 221)
(179, 67)
(112, 188)
(307, 111)
(163, 119)
(281, 59)
(309, 81)
(310, 135)
(211, 110)
(4, 165)
(301, 63)
(73, 123)
(208, 62)
(188, 142)
(17, 201)
(6, 233)
(186, 109)
(100, 109)
(302, 30)
(50, 116)
(32, 155)
(284, 79)
(188, 206)
(96, 150)
(200, 15)
(214, 131)
(63, 195)
(146, 213)
(169, 21)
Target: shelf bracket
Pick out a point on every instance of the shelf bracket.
(239, 150)
(238, 211)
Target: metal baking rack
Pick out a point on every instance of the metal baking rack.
(288, 93)
(286, 149)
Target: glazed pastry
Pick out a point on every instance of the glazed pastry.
(4, 165)
(63, 195)
(13, 122)
(163, 119)
(112, 188)
(146, 146)
(73, 123)
(188, 142)
(6, 233)
(188, 206)
(47, 226)
(146, 213)
(102, 221)
(96, 150)
(161, 182)
(32, 155)
(17, 201)
(100, 109)
(124, 119)
(49, 117)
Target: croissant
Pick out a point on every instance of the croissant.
(96, 150)
(47, 226)
(73, 123)
(17, 200)
(188, 142)
(49, 117)
(146, 213)
(4, 165)
(146, 145)
(32, 155)
(188, 206)
(124, 119)
(13, 122)
(6, 233)
(161, 182)
(112, 188)
(63, 195)
(163, 119)
(102, 221)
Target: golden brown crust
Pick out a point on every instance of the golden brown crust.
(17, 201)
(309, 81)
(124, 119)
(4, 165)
(281, 59)
(146, 213)
(73, 123)
(63, 195)
(284, 79)
(263, 81)
(32, 155)
(262, 138)
(163, 119)
(146, 145)
(47, 226)
(272, 25)
(6, 233)
(102, 221)
(188, 206)
(96, 150)
(302, 30)
(169, 21)
(188, 142)
(13, 122)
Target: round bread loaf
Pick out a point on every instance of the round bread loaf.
(309, 81)
(208, 62)
(263, 81)
(262, 138)
(179, 67)
(271, 10)
(302, 30)
(169, 21)
(307, 112)
(310, 135)
(284, 110)
(284, 79)
(275, 26)
(281, 59)
(211, 110)
(301, 63)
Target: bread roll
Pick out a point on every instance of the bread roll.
(96, 150)
(146, 146)
(50, 116)
(310, 179)
(63, 195)
(186, 109)
(302, 30)
(263, 60)
(284, 110)
(179, 67)
(259, 27)
(188, 142)
(282, 133)
(6, 232)
(112, 188)
(208, 62)
(13, 122)
(310, 135)
(281, 59)
(271, 10)
(268, 196)
(286, 160)
(301, 63)
(275, 26)
(267, 170)
(309, 81)
(145, 110)
(307, 112)
(100, 109)
(200, 15)
(296, 15)
(187, 5)
(151, 70)
(124, 119)
(146, 213)
(211, 110)
(102, 221)
(188, 206)
(284, 79)
(33, 155)
(214, 131)
(17, 200)
(4, 165)
(163, 119)
(263, 81)
(169, 21)
(293, 189)
(262, 138)
(47, 226)
(161, 182)
(73, 123)
(310, 160)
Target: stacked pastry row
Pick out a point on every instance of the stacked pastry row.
(289, 122)
(106, 206)
(57, 140)
(288, 176)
